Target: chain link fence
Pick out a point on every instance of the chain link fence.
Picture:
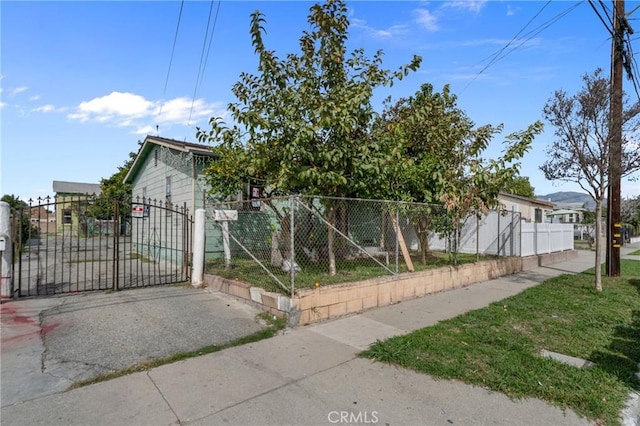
(285, 243)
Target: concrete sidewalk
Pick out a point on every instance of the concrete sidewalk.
(309, 376)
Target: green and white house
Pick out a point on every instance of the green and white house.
(70, 200)
(166, 175)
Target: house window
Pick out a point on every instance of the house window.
(168, 194)
(66, 217)
(538, 216)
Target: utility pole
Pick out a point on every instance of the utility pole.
(614, 234)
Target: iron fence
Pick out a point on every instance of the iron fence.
(285, 243)
(93, 242)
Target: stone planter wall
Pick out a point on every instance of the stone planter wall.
(314, 305)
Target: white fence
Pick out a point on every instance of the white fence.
(542, 238)
(504, 234)
(497, 233)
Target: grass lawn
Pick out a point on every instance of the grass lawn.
(248, 271)
(635, 253)
(498, 347)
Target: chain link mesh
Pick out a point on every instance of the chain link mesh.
(288, 243)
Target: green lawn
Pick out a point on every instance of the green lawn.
(635, 253)
(248, 271)
(498, 347)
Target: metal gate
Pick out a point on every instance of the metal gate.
(84, 243)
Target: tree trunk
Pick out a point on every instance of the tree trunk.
(422, 229)
(331, 239)
(598, 269)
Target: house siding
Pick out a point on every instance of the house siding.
(164, 230)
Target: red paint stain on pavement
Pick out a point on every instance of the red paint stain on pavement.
(10, 316)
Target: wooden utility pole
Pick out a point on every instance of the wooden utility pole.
(614, 235)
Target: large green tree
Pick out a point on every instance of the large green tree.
(435, 154)
(302, 123)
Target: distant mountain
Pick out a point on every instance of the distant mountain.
(569, 199)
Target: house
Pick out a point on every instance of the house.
(567, 215)
(530, 209)
(68, 197)
(167, 177)
(42, 219)
(170, 171)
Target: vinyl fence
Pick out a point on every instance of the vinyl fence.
(543, 238)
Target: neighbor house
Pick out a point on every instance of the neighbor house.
(42, 219)
(567, 216)
(530, 209)
(69, 196)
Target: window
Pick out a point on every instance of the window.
(144, 194)
(168, 195)
(538, 215)
(66, 217)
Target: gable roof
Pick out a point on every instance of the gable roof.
(532, 201)
(151, 141)
(62, 187)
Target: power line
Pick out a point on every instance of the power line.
(173, 49)
(202, 65)
(607, 26)
(501, 53)
(215, 20)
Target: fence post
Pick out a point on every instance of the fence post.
(477, 236)
(5, 250)
(292, 251)
(198, 248)
(397, 230)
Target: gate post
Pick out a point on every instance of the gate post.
(5, 250)
(197, 276)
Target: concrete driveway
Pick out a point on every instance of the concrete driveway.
(50, 343)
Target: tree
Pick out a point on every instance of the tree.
(437, 158)
(630, 212)
(301, 125)
(520, 185)
(113, 188)
(580, 152)
(21, 216)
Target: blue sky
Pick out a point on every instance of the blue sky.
(83, 82)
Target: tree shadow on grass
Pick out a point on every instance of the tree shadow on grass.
(622, 359)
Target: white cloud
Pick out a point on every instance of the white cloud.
(34, 98)
(470, 5)
(392, 31)
(510, 10)
(426, 19)
(17, 90)
(48, 108)
(125, 109)
(2, 104)
(145, 130)
(112, 107)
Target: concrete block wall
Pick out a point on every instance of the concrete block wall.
(322, 303)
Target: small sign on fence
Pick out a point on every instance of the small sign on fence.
(139, 210)
(225, 215)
